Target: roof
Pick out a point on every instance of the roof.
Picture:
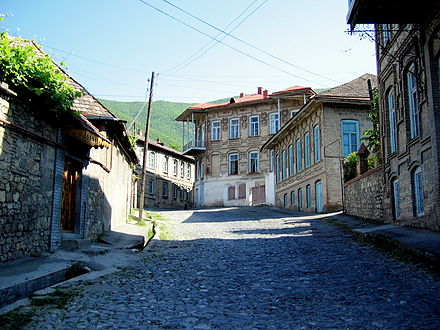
(291, 90)
(160, 145)
(237, 100)
(354, 89)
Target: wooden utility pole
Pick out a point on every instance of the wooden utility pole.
(144, 163)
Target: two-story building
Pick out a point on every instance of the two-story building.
(225, 140)
(170, 176)
(407, 38)
(308, 150)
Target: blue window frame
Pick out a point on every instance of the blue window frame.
(412, 102)
(418, 192)
(291, 160)
(215, 131)
(292, 198)
(234, 130)
(277, 169)
(254, 126)
(317, 143)
(350, 136)
(308, 196)
(396, 197)
(298, 156)
(284, 165)
(300, 199)
(306, 150)
(392, 121)
(318, 194)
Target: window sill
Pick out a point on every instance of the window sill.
(235, 138)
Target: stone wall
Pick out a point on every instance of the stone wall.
(26, 181)
(363, 195)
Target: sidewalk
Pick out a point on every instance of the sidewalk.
(418, 244)
(117, 248)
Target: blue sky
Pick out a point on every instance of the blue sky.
(112, 46)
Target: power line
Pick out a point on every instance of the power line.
(246, 43)
(183, 65)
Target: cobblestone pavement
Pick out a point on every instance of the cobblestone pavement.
(257, 268)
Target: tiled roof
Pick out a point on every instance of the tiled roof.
(160, 145)
(356, 88)
(291, 90)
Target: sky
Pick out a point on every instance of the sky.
(111, 47)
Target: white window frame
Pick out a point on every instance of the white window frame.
(274, 123)
(215, 130)
(413, 106)
(151, 159)
(188, 171)
(182, 169)
(307, 150)
(254, 162)
(165, 164)
(234, 128)
(175, 166)
(317, 143)
(418, 192)
(254, 125)
(233, 158)
(345, 135)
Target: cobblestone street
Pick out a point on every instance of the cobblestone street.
(259, 267)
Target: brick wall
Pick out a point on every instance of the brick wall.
(363, 195)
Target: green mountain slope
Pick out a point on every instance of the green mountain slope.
(163, 126)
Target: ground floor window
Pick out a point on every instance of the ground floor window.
(300, 199)
(165, 190)
(417, 181)
(151, 187)
(396, 197)
(308, 196)
(292, 198)
(285, 200)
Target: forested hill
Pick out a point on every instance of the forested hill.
(163, 126)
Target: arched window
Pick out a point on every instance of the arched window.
(286, 200)
(417, 185)
(396, 198)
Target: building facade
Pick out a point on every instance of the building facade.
(308, 150)
(225, 140)
(170, 176)
(408, 63)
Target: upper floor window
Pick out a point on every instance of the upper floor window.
(175, 166)
(350, 136)
(254, 126)
(392, 121)
(254, 166)
(291, 160)
(293, 113)
(283, 165)
(277, 169)
(215, 131)
(386, 34)
(233, 164)
(152, 159)
(412, 102)
(317, 143)
(417, 182)
(298, 156)
(188, 171)
(165, 164)
(234, 132)
(274, 123)
(182, 169)
(307, 149)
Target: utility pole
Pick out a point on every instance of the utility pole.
(144, 164)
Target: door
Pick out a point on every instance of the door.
(71, 194)
(258, 195)
(319, 201)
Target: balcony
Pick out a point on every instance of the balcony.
(389, 11)
(193, 148)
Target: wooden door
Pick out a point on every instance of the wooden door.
(258, 195)
(72, 175)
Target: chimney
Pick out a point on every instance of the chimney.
(260, 90)
(159, 142)
(265, 94)
(241, 95)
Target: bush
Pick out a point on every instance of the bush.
(350, 165)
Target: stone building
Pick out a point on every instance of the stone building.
(225, 140)
(64, 178)
(408, 62)
(309, 148)
(170, 176)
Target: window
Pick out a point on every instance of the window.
(174, 191)
(412, 102)
(271, 160)
(350, 136)
(308, 196)
(317, 143)
(396, 197)
(300, 199)
(215, 131)
(283, 165)
(165, 189)
(182, 169)
(306, 150)
(285, 201)
(234, 129)
(253, 162)
(319, 201)
(277, 169)
(165, 164)
(182, 194)
(202, 171)
(233, 164)
(293, 113)
(292, 198)
(418, 191)
(150, 187)
(188, 171)
(386, 34)
(392, 120)
(152, 159)
(298, 155)
(291, 161)
(274, 123)
(175, 166)
(254, 126)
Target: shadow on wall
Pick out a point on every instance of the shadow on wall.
(98, 211)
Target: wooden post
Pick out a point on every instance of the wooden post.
(144, 164)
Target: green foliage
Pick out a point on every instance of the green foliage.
(373, 161)
(35, 78)
(372, 136)
(163, 125)
(350, 164)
